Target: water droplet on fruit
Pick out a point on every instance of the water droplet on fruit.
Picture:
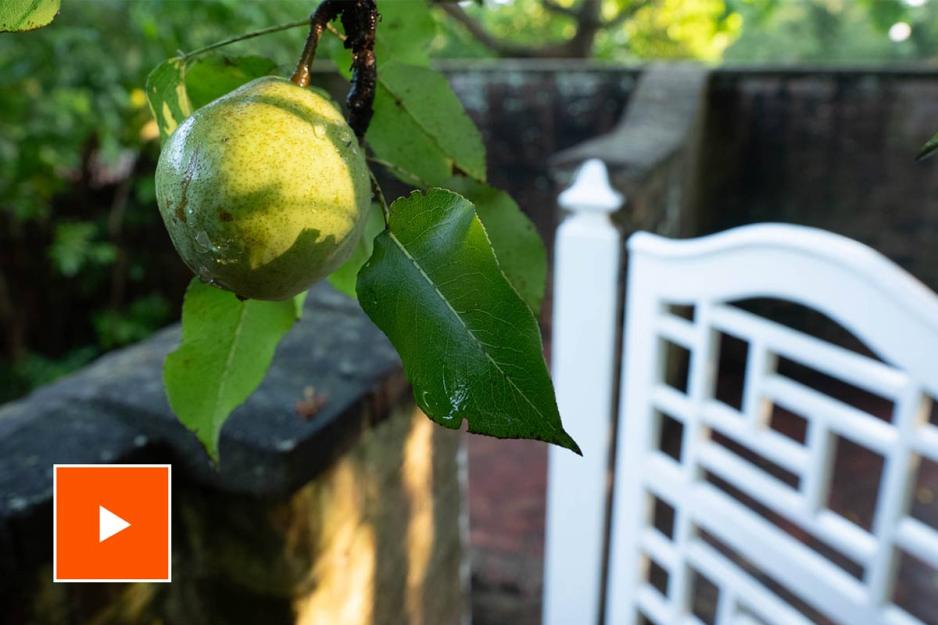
(204, 274)
(202, 240)
(319, 130)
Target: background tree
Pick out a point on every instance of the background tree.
(828, 31)
(776, 31)
(699, 29)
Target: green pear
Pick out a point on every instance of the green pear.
(265, 190)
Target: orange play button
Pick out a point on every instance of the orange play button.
(111, 523)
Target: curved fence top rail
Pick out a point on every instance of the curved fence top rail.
(887, 308)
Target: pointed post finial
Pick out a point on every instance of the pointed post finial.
(591, 191)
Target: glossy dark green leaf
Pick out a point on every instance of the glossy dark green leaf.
(19, 15)
(928, 149)
(406, 31)
(517, 244)
(345, 277)
(470, 345)
(420, 126)
(396, 138)
(212, 76)
(227, 346)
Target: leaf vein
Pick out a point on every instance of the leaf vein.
(482, 345)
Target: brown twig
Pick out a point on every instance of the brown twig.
(360, 19)
(379, 195)
(237, 38)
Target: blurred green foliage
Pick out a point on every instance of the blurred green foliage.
(767, 31)
(83, 76)
(74, 247)
(77, 147)
(834, 31)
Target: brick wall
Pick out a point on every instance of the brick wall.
(830, 149)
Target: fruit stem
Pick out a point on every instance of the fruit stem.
(400, 172)
(324, 13)
(242, 37)
(379, 195)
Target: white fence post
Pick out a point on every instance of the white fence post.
(586, 301)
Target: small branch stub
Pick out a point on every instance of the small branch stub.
(360, 20)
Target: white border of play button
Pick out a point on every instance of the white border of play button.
(110, 524)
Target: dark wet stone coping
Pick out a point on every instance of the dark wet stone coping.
(115, 411)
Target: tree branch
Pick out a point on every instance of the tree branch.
(480, 34)
(236, 39)
(553, 7)
(588, 19)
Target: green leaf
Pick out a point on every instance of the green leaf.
(167, 95)
(419, 126)
(396, 138)
(345, 277)
(299, 300)
(19, 15)
(212, 76)
(405, 33)
(928, 149)
(227, 346)
(177, 87)
(515, 240)
(470, 346)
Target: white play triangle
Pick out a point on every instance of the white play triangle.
(109, 524)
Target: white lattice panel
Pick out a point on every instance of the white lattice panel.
(756, 523)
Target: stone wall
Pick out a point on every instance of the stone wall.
(350, 514)
(827, 148)
(530, 110)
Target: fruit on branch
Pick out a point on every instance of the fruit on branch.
(265, 190)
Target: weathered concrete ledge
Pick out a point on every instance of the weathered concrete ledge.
(652, 154)
(365, 487)
(116, 408)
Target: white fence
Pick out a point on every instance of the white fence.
(771, 549)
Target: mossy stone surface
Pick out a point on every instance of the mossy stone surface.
(264, 191)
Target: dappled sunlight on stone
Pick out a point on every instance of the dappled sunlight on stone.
(417, 475)
(342, 578)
